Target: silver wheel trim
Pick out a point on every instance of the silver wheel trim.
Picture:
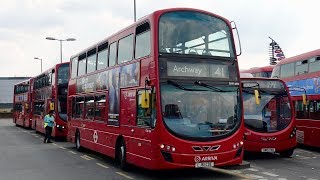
(78, 141)
(122, 153)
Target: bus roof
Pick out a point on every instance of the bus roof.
(258, 69)
(152, 16)
(300, 57)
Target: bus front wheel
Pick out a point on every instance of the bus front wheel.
(287, 153)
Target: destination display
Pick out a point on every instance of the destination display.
(263, 84)
(197, 69)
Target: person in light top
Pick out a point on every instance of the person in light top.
(48, 125)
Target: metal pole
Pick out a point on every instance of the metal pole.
(41, 65)
(60, 50)
(134, 10)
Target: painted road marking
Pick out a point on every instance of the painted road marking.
(55, 144)
(72, 152)
(36, 136)
(99, 164)
(304, 151)
(86, 157)
(254, 176)
(270, 174)
(62, 147)
(124, 175)
(227, 172)
(252, 169)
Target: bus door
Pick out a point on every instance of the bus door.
(142, 120)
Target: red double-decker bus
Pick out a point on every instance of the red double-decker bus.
(303, 71)
(268, 116)
(50, 93)
(162, 93)
(22, 103)
(265, 71)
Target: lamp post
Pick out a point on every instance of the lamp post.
(134, 11)
(40, 61)
(68, 39)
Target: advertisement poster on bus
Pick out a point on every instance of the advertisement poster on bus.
(311, 86)
(114, 89)
(129, 75)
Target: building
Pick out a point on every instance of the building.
(6, 92)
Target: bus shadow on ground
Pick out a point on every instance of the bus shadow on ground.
(258, 156)
(309, 148)
(192, 173)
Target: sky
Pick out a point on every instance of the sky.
(24, 25)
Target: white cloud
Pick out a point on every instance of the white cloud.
(25, 24)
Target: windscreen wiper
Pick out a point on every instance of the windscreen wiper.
(182, 87)
(210, 87)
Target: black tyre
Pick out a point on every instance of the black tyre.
(287, 153)
(78, 142)
(121, 151)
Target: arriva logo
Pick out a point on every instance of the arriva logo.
(205, 158)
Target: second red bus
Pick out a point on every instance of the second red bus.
(268, 116)
(50, 93)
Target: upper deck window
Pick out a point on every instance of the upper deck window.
(287, 70)
(276, 72)
(113, 54)
(102, 56)
(301, 67)
(125, 51)
(91, 60)
(82, 65)
(187, 32)
(63, 74)
(314, 64)
(143, 43)
(74, 67)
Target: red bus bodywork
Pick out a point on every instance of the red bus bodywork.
(305, 75)
(22, 104)
(50, 93)
(146, 144)
(264, 72)
(272, 128)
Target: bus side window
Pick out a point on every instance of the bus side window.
(89, 107)
(100, 107)
(146, 116)
(79, 107)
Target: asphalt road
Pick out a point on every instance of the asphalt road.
(24, 156)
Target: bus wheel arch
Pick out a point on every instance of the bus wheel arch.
(120, 153)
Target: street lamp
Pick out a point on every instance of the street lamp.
(40, 61)
(68, 39)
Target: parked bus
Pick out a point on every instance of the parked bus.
(22, 104)
(162, 93)
(268, 116)
(50, 93)
(304, 71)
(260, 71)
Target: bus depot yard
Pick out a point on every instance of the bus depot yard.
(163, 98)
(24, 156)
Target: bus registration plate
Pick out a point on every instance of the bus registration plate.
(204, 164)
(268, 150)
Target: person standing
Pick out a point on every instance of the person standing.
(48, 125)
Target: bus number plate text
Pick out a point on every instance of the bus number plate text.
(204, 164)
(268, 150)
